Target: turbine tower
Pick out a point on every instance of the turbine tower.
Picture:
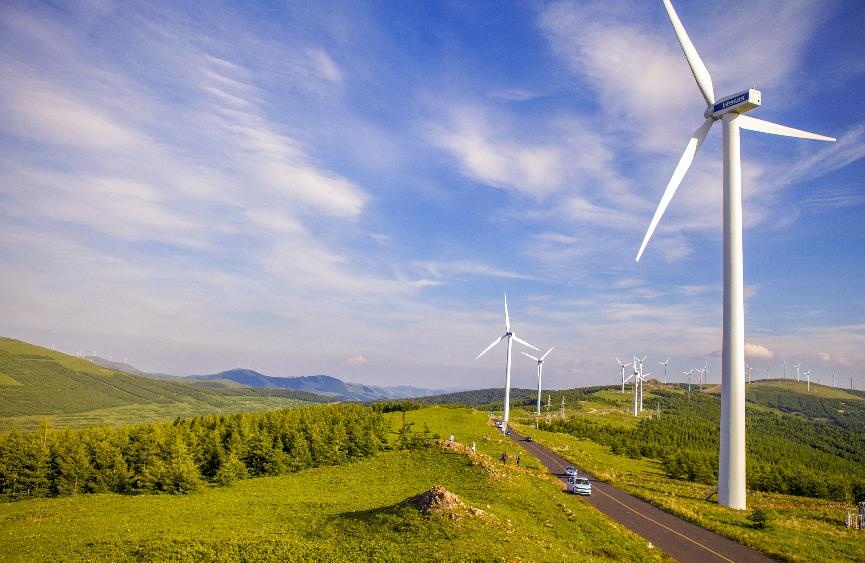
(808, 375)
(784, 366)
(540, 371)
(509, 335)
(640, 379)
(731, 111)
(623, 374)
(749, 368)
(664, 363)
(797, 366)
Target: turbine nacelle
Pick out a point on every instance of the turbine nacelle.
(738, 103)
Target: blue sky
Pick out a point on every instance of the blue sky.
(349, 188)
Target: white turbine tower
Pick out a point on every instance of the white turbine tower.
(797, 366)
(509, 335)
(749, 368)
(808, 375)
(664, 363)
(784, 366)
(640, 378)
(540, 371)
(623, 366)
(730, 110)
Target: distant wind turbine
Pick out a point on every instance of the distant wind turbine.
(808, 375)
(509, 335)
(623, 374)
(731, 111)
(540, 371)
(641, 378)
(664, 363)
(688, 373)
(797, 366)
(749, 368)
(784, 367)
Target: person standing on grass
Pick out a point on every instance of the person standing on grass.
(518, 460)
(505, 458)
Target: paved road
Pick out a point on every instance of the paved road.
(672, 535)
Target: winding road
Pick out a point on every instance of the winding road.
(681, 540)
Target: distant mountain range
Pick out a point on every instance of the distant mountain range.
(319, 384)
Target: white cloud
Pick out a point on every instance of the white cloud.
(758, 351)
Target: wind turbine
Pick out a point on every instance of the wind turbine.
(808, 375)
(623, 374)
(540, 370)
(702, 371)
(509, 335)
(664, 363)
(749, 368)
(784, 366)
(731, 111)
(640, 378)
(797, 366)
(688, 373)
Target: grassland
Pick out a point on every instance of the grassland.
(345, 513)
(801, 529)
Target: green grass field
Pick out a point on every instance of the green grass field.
(346, 513)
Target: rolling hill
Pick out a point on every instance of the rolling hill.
(37, 382)
(319, 384)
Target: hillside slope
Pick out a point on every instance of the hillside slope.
(37, 381)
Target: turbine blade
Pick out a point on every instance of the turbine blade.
(530, 356)
(524, 343)
(698, 69)
(507, 318)
(488, 348)
(678, 174)
(620, 362)
(761, 126)
(547, 354)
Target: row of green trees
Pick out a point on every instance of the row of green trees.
(786, 453)
(179, 457)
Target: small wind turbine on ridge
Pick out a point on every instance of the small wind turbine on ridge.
(509, 335)
(540, 371)
(730, 110)
(664, 363)
(623, 374)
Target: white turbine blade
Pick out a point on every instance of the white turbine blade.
(620, 362)
(761, 126)
(530, 356)
(627, 379)
(524, 343)
(678, 174)
(547, 354)
(507, 318)
(698, 69)
(488, 348)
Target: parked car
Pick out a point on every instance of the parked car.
(579, 486)
(571, 471)
(528, 438)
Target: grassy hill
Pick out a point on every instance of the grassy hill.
(39, 384)
(352, 512)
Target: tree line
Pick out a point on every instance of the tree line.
(180, 457)
(786, 453)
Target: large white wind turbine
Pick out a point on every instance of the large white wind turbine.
(540, 371)
(641, 379)
(731, 111)
(797, 366)
(509, 335)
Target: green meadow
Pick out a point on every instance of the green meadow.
(346, 513)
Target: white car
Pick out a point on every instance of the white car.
(579, 486)
(571, 471)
